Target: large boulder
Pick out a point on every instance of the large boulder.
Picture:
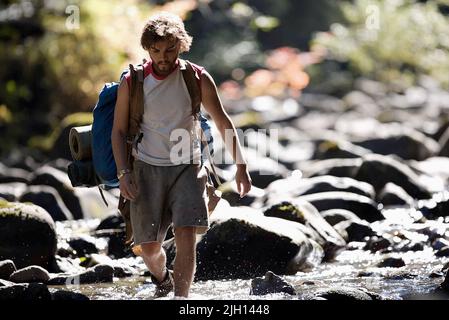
(331, 167)
(378, 170)
(82, 202)
(8, 174)
(317, 228)
(7, 268)
(49, 199)
(295, 186)
(334, 216)
(47, 175)
(339, 149)
(27, 234)
(406, 145)
(354, 231)
(30, 274)
(393, 195)
(25, 291)
(344, 294)
(242, 243)
(363, 207)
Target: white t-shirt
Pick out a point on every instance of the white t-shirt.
(171, 136)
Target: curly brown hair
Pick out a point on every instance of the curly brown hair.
(162, 26)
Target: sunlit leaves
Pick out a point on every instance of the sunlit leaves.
(412, 38)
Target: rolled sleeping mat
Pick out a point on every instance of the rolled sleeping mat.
(82, 174)
(80, 142)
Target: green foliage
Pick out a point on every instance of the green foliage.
(410, 39)
(54, 70)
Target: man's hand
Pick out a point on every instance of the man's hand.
(128, 188)
(243, 180)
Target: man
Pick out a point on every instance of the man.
(163, 191)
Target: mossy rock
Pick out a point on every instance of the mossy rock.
(27, 234)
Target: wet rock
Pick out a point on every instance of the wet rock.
(271, 283)
(231, 194)
(445, 267)
(65, 250)
(391, 263)
(378, 170)
(354, 231)
(47, 175)
(335, 149)
(361, 206)
(7, 267)
(64, 295)
(29, 291)
(411, 246)
(401, 276)
(393, 195)
(243, 236)
(27, 234)
(445, 284)
(12, 191)
(49, 199)
(261, 177)
(319, 230)
(120, 271)
(6, 283)
(343, 294)
(112, 222)
(8, 174)
(116, 245)
(331, 167)
(83, 245)
(434, 166)
(443, 252)
(285, 210)
(334, 216)
(296, 186)
(30, 274)
(407, 145)
(376, 243)
(444, 144)
(99, 274)
(433, 209)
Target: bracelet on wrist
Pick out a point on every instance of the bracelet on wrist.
(122, 172)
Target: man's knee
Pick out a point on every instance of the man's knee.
(151, 250)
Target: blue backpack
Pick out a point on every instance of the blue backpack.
(103, 119)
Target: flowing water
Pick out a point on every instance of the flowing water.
(352, 268)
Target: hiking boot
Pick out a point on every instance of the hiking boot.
(164, 287)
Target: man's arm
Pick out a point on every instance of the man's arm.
(118, 139)
(212, 103)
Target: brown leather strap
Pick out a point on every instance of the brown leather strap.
(191, 79)
(136, 109)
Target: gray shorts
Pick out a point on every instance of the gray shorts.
(168, 195)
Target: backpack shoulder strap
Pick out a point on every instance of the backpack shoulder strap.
(191, 79)
(135, 99)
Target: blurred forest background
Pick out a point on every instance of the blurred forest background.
(51, 71)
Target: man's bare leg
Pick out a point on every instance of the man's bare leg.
(185, 260)
(155, 259)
